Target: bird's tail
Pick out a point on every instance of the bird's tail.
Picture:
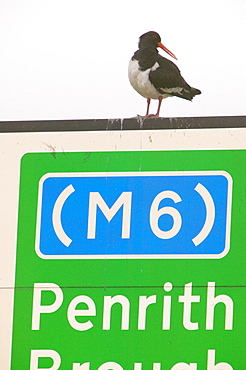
(189, 94)
(195, 92)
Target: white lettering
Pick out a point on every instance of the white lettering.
(37, 353)
(187, 299)
(96, 200)
(110, 366)
(144, 302)
(156, 213)
(212, 301)
(108, 303)
(88, 308)
(211, 361)
(38, 308)
(72, 312)
(167, 307)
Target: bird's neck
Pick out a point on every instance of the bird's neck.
(146, 57)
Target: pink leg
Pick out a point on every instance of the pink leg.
(147, 113)
(159, 106)
(158, 109)
(148, 104)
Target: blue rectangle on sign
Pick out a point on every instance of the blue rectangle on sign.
(134, 215)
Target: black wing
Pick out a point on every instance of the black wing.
(168, 76)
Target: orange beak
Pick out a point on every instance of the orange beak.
(160, 45)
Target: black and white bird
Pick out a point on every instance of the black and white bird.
(155, 77)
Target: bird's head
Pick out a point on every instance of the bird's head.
(153, 39)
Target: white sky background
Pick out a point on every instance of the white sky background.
(68, 59)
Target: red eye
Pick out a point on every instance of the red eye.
(154, 36)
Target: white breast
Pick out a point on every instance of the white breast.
(140, 80)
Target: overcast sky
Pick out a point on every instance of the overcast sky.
(68, 59)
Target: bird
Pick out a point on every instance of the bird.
(156, 77)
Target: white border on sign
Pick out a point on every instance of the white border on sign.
(136, 174)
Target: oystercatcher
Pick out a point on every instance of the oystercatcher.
(155, 77)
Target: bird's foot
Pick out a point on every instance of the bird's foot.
(149, 115)
(152, 115)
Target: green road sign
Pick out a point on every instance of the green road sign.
(123, 313)
(127, 250)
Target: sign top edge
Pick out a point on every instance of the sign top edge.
(124, 124)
